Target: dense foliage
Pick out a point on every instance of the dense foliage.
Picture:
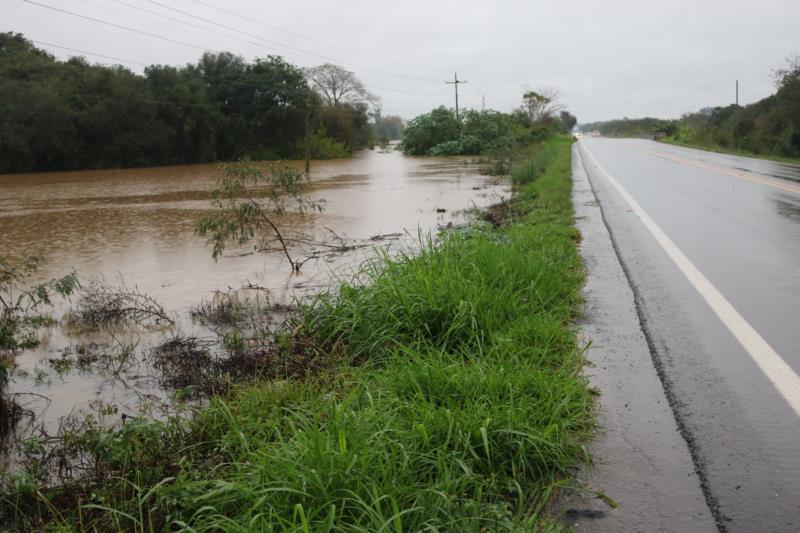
(768, 127)
(479, 132)
(59, 115)
(429, 130)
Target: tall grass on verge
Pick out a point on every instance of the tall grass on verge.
(459, 404)
(536, 163)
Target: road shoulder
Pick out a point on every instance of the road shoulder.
(641, 462)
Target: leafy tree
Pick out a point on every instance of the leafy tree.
(61, 115)
(343, 115)
(568, 121)
(247, 202)
(347, 124)
(669, 127)
(426, 131)
(19, 297)
(541, 105)
(438, 133)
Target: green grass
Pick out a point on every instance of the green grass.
(458, 403)
(731, 151)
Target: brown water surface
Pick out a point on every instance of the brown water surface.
(136, 226)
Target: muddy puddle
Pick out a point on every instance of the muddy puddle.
(134, 228)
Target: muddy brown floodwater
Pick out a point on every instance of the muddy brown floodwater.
(136, 226)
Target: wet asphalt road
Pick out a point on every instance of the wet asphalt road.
(738, 224)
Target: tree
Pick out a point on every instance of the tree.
(438, 133)
(541, 105)
(263, 105)
(388, 128)
(18, 299)
(247, 201)
(63, 115)
(787, 81)
(568, 121)
(337, 86)
(347, 124)
(426, 131)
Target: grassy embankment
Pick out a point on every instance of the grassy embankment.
(731, 151)
(455, 401)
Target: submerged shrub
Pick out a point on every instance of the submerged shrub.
(103, 305)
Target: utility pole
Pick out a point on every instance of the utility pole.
(456, 82)
(483, 102)
(737, 93)
(308, 143)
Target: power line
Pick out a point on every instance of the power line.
(120, 26)
(126, 14)
(203, 28)
(169, 39)
(277, 43)
(313, 40)
(202, 79)
(456, 82)
(175, 19)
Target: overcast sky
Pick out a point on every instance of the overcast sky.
(609, 58)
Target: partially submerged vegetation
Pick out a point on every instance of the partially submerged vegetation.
(442, 132)
(444, 394)
(21, 297)
(247, 200)
(21, 300)
(102, 305)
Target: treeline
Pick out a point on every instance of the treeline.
(472, 132)
(61, 115)
(628, 127)
(769, 127)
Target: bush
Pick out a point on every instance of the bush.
(322, 147)
(426, 131)
(438, 133)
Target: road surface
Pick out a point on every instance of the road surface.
(710, 244)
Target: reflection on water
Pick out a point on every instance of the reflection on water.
(137, 225)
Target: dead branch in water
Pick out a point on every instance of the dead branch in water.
(102, 305)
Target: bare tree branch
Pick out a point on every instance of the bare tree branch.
(338, 86)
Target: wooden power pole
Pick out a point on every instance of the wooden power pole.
(456, 82)
(308, 143)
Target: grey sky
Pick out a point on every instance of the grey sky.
(610, 58)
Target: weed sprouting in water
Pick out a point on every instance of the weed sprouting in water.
(102, 305)
(20, 298)
(247, 201)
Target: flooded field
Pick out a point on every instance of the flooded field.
(135, 228)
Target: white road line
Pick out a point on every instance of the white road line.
(782, 376)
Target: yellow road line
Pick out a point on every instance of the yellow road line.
(755, 178)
